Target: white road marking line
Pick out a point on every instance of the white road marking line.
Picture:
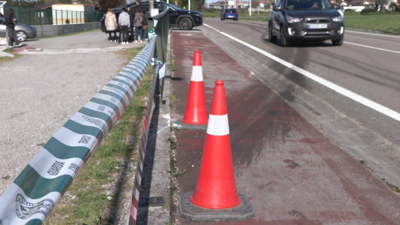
(382, 35)
(366, 46)
(358, 98)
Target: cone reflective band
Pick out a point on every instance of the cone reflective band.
(216, 188)
(196, 112)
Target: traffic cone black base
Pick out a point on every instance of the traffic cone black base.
(187, 210)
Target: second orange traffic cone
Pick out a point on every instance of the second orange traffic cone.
(196, 112)
(216, 188)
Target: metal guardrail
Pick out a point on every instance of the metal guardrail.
(161, 27)
(39, 187)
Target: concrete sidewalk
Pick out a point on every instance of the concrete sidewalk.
(3, 46)
(289, 170)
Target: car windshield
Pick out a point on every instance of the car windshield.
(172, 6)
(161, 6)
(308, 5)
(230, 10)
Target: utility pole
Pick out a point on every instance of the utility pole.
(153, 11)
(250, 8)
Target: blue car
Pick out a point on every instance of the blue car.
(229, 13)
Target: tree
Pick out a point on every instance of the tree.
(20, 3)
(381, 3)
(357, 2)
(199, 5)
(65, 1)
(106, 4)
(393, 6)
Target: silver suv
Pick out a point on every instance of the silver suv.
(299, 20)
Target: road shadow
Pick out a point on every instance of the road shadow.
(302, 44)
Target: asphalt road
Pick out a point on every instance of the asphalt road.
(366, 64)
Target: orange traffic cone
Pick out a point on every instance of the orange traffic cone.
(196, 112)
(216, 188)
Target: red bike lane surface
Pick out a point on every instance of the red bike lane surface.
(291, 173)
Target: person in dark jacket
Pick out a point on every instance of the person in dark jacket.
(145, 20)
(131, 17)
(132, 12)
(137, 23)
(10, 24)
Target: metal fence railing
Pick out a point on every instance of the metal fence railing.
(31, 16)
(159, 26)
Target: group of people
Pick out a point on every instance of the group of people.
(129, 22)
(11, 20)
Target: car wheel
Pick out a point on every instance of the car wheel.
(21, 36)
(271, 36)
(185, 24)
(337, 42)
(284, 41)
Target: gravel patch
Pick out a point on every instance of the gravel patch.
(40, 92)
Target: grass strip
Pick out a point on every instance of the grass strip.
(105, 183)
(381, 22)
(8, 59)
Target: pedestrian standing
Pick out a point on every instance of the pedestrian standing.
(131, 17)
(10, 24)
(124, 24)
(138, 23)
(145, 20)
(111, 25)
(176, 4)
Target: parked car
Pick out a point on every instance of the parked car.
(22, 31)
(229, 13)
(299, 20)
(182, 18)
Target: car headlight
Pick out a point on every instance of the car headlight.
(337, 19)
(293, 19)
(195, 14)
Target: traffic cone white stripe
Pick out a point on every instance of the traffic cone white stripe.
(218, 125)
(197, 73)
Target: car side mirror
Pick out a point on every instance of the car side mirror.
(277, 8)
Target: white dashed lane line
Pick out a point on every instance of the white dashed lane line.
(343, 91)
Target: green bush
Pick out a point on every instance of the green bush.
(367, 11)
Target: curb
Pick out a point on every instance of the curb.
(155, 200)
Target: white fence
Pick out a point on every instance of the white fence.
(355, 8)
